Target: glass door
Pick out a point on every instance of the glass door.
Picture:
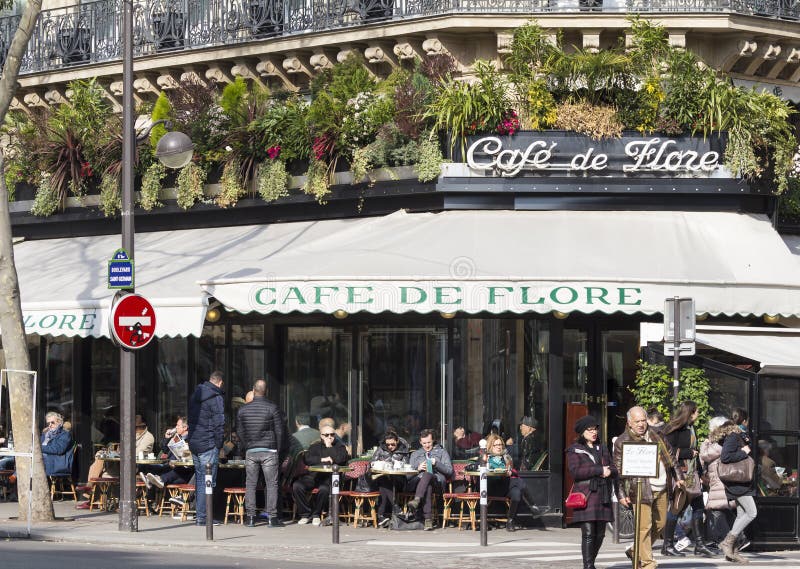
(401, 382)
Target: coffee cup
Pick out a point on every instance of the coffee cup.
(151, 456)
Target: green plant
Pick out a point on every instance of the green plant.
(232, 189)
(360, 165)
(540, 108)
(151, 186)
(317, 180)
(47, 200)
(189, 185)
(272, 181)
(429, 165)
(463, 108)
(652, 387)
(13, 173)
(161, 110)
(110, 195)
(694, 386)
(284, 124)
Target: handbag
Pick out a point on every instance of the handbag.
(679, 500)
(741, 471)
(575, 500)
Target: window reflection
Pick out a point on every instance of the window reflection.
(778, 465)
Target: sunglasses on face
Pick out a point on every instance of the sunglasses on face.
(327, 434)
(52, 423)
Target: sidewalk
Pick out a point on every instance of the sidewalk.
(288, 543)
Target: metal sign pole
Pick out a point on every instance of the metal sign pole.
(637, 517)
(484, 507)
(334, 509)
(676, 376)
(209, 498)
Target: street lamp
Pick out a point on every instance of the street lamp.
(175, 152)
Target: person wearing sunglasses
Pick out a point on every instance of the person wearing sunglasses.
(56, 446)
(395, 450)
(329, 450)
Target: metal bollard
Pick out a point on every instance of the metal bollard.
(209, 505)
(484, 507)
(334, 509)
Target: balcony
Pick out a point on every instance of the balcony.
(91, 32)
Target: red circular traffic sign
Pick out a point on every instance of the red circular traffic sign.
(133, 321)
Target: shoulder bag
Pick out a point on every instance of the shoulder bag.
(737, 472)
(575, 500)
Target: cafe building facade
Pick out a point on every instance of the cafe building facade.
(525, 280)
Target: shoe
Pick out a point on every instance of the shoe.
(144, 479)
(428, 525)
(384, 522)
(82, 506)
(414, 504)
(275, 522)
(629, 553)
(203, 523)
(177, 501)
(250, 521)
(668, 549)
(326, 522)
(303, 521)
(264, 516)
(510, 526)
(155, 480)
(727, 546)
(316, 521)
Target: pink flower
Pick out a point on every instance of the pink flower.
(273, 152)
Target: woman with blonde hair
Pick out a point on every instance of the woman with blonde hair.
(510, 486)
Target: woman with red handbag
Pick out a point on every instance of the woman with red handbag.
(680, 435)
(594, 473)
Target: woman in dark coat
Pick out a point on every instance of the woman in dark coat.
(594, 473)
(735, 448)
(680, 435)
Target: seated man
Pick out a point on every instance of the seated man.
(325, 452)
(56, 447)
(434, 468)
(392, 449)
(164, 475)
(144, 438)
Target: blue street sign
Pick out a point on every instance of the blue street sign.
(120, 270)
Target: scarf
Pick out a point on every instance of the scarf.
(50, 435)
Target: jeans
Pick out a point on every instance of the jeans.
(266, 462)
(745, 513)
(200, 460)
(423, 486)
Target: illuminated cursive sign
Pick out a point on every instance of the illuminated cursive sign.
(637, 155)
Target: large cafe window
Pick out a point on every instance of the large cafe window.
(778, 436)
(501, 376)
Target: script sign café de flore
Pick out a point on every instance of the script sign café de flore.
(578, 155)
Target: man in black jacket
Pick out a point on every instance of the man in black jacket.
(259, 425)
(325, 452)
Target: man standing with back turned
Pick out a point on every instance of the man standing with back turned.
(259, 425)
(206, 435)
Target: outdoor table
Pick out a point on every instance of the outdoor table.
(405, 472)
(328, 469)
(491, 473)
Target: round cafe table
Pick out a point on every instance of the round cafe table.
(328, 469)
(404, 472)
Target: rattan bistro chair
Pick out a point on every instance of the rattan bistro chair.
(466, 498)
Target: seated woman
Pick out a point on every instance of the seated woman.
(56, 446)
(392, 448)
(511, 487)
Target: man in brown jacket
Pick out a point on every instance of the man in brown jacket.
(656, 492)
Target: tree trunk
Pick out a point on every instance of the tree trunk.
(15, 347)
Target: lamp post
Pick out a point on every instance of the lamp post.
(174, 150)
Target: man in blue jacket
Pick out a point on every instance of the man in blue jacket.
(206, 435)
(56, 446)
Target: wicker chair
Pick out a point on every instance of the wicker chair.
(470, 499)
(359, 499)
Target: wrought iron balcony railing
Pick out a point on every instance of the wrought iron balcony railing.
(91, 32)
